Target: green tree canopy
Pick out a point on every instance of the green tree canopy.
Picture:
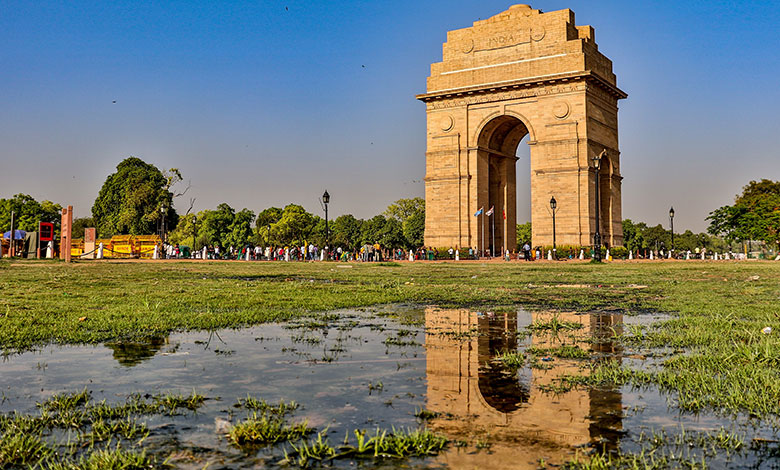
(79, 226)
(402, 209)
(414, 229)
(27, 213)
(131, 199)
(294, 227)
(240, 230)
(755, 214)
(523, 235)
(346, 232)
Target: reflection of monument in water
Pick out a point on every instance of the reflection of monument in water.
(132, 353)
(482, 400)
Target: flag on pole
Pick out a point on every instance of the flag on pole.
(503, 211)
(477, 214)
(490, 212)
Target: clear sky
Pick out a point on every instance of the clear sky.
(269, 102)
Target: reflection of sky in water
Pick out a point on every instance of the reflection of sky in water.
(328, 370)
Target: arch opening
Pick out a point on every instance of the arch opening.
(501, 388)
(498, 143)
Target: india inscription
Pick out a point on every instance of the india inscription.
(521, 73)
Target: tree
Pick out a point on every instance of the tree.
(184, 231)
(755, 214)
(523, 235)
(633, 235)
(27, 213)
(130, 200)
(402, 209)
(414, 230)
(411, 214)
(370, 230)
(240, 230)
(265, 219)
(392, 234)
(346, 232)
(294, 227)
(79, 226)
(216, 225)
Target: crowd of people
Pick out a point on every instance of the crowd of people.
(373, 253)
(312, 252)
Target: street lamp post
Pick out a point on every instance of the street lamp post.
(553, 206)
(671, 222)
(325, 202)
(162, 223)
(597, 235)
(194, 232)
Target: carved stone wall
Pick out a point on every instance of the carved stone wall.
(521, 72)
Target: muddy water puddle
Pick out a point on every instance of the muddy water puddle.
(395, 367)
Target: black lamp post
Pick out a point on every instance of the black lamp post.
(162, 223)
(325, 202)
(671, 222)
(194, 232)
(597, 235)
(553, 206)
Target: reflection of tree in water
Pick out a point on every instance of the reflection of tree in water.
(500, 385)
(132, 353)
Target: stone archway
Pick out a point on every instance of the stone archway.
(521, 72)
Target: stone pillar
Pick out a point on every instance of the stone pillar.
(90, 235)
(66, 227)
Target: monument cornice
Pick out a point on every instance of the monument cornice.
(527, 83)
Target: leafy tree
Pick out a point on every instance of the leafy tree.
(217, 224)
(402, 209)
(294, 227)
(265, 219)
(27, 213)
(523, 234)
(755, 214)
(391, 235)
(414, 230)
(240, 230)
(79, 226)
(130, 200)
(184, 231)
(370, 230)
(346, 232)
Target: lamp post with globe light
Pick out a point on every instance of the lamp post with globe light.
(671, 222)
(325, 202)
(553, 206)
(597, 235)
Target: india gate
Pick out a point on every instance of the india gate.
(522, 73)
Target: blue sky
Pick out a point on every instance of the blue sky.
(266, 103)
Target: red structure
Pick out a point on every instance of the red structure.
(66, 227)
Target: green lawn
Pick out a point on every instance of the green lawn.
(717, 356)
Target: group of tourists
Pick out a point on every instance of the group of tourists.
(375, 253)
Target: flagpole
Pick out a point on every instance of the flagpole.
(493, 250)
(483, 236)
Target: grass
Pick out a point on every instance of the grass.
(565, 351)
(29, 440)
(716, 356)
(663, 449)
(382, 444)
(258, 430)
(281, 409)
